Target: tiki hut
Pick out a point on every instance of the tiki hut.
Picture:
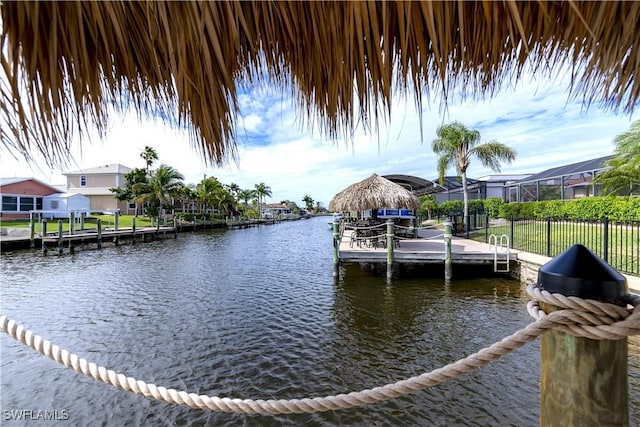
(373, 193)
(67, 66)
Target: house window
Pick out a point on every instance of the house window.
(83, 180)
(26, 204)
(54, 204)
(39, 203)
(9, 203)
(132, 205)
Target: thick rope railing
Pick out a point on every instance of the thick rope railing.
(583, 318)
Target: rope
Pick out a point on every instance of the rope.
(588, 318)
(606, 321)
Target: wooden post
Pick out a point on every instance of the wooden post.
(336, 248)
(448, 270)
(60, 239)
(175, 228)
(82, 221)
(133, 229)
(116, 220)
(72, 220)
(99, 224)
(583, 382)
(32, 231)
(390, 255)
(44, 234)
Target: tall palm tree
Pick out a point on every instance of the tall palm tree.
(262, 191)
(149, 155)
(164, 183)
(623, 174)
(456, 145)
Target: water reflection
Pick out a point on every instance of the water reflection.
(256, 313)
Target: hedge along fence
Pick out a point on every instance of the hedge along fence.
(615, 208)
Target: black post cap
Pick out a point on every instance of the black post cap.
(579, 272)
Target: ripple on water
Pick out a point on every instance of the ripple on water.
(255, 313)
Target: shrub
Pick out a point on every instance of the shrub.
(492, 206)
(616, 208)
(450, 207)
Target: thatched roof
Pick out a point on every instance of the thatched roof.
(67, 64)
(373, 193)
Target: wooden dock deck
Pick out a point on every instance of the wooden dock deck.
(428, 248)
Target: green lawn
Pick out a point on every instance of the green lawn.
(623, 246)
(125, 221)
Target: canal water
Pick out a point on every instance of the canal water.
(256, 313)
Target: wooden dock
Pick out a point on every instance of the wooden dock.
(428, 248)
(69, 241)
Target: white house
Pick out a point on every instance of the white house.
(61, 205)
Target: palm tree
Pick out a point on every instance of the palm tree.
(623, 174)
(262, 191)
(149, 155)
(245, 196)
(164, 183)
(308, 201)
(207, 190)
(456, 145)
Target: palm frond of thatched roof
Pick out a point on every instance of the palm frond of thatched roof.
(373, 193)
(66, 64)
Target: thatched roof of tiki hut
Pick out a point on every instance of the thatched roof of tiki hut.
(373, 193)
(65, 65)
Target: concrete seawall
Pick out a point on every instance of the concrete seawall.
(529, 264)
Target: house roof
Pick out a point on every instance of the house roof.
(65, 196)
(570, 169)
(501, 178)
(15, 180)
(114, 168)
(418, 186)
(453, 182)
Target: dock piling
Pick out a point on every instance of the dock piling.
(390, 236)
(32, 231)
(99, 225)
(60, 238)
(583, 381)
(44, 234)
(447, 250)
(336, 248)
(133, 229)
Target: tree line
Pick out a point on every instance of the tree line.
(158, 191)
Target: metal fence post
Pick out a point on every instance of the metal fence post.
(486, 228)
(513, 241)
(605, 238)
(548, 236)
(583, 381)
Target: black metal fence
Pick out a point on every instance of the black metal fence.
(475, 220)
(616, 242)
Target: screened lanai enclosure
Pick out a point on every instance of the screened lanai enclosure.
(561, 183)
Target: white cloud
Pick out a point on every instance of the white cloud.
(274, 148)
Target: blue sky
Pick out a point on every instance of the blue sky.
(535, 117)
